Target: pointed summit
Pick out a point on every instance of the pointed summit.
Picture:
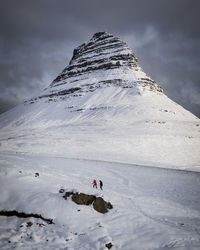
(104, 46)
(102, 61)
(100, 34)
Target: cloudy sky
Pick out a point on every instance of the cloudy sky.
(37, 39)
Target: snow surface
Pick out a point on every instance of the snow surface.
(113, 124)
(109, 126)
(153, 208)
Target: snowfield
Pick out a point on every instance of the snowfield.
(102, 118)
(152, 208)
(112, 124)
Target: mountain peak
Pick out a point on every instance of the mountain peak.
(103, 61)
(97, 35)
(102, 51)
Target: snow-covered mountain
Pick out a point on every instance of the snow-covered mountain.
(103, 106)
(99, 114)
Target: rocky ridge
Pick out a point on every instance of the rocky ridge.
(102, 62)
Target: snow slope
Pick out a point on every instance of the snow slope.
(153, 208)
(102, 106)
(110, 124)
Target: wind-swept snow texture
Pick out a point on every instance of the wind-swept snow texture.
(152, 208)
(103, 106)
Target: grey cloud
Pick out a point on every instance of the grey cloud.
(8, 102)
(174, 64)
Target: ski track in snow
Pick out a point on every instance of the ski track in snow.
(153, 208)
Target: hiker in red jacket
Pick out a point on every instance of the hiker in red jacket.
(94, 183)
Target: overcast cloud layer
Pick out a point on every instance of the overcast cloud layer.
(37, 39)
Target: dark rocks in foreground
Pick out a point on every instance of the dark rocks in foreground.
(109, 245)
(24, 215)
(102, 206)
(83, 199)
(99, 204)
(67, 194)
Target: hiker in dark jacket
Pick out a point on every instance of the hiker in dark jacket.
(101, 184)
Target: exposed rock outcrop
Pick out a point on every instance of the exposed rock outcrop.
(67, 194)
(99, 204)
(83, 199)
(24, 215)
(37, 174)
(109, 245)
(102, 206)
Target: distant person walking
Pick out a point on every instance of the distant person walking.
(94, 183)
(101, 184)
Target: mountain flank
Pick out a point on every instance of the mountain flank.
(103, 106)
